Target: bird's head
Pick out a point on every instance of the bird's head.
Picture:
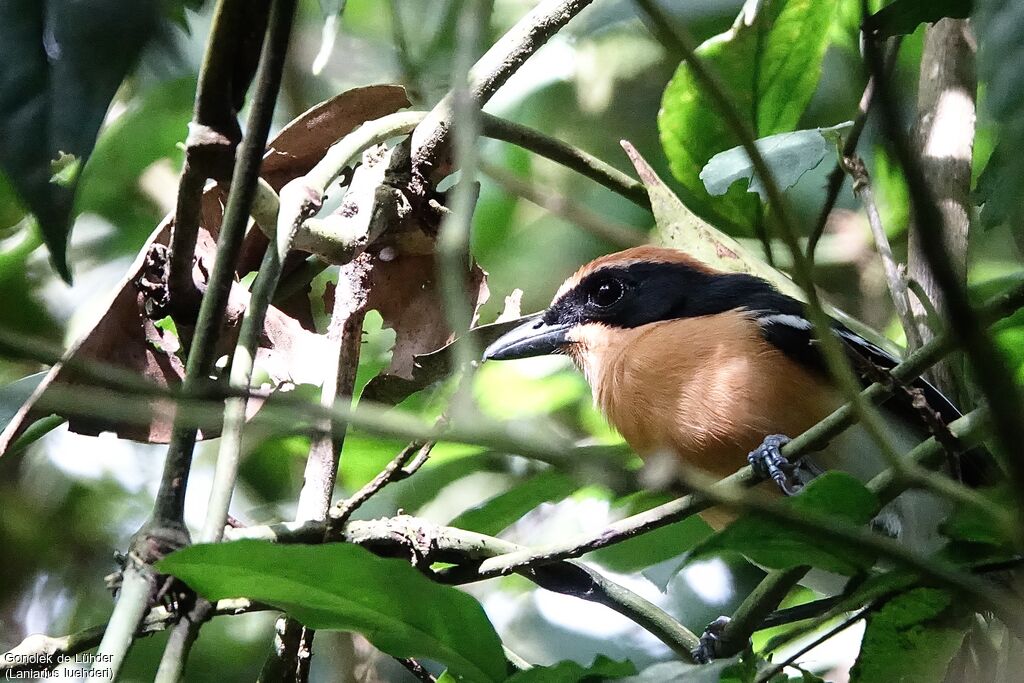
(626, 290)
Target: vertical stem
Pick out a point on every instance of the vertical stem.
(165, 529)
(213, 132)
(170, 500)
(453, 257)
(293, 642)
(944, 137)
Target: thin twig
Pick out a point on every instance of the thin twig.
(452, 247)
(431, 139)
(213, 133)
(394, 471)
(894, 275)
(566, 155)
(620, 235)
(767, 675)
(837, 175)
(991, 373)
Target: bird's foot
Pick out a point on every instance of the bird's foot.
(769, 463)
(705, 653)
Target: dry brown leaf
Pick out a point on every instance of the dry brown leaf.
(125, 336)
(405, 291)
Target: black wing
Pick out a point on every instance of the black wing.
(793, 335)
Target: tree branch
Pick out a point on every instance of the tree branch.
(430, 140)
(236, 32)
(991, 373)
(944, 139)
(894, 275)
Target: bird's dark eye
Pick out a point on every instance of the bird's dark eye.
(606, 293)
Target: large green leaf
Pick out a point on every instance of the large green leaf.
(788, 155)
(602, 669)
(14, 395)
(493, 516)
(911, 639)
(836, 494)
(769, 64)
(344, 587)
(63, 63)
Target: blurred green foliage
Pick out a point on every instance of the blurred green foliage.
(70, 500)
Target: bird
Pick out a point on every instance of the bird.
(717, 369)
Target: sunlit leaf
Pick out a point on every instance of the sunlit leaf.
(770, 87)
(339, 586)
(14, 395)
(788, 155)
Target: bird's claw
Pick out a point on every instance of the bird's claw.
(769, 463)
(705, 652)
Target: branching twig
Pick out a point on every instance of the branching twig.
(395, 470)
(457, 545)
(894, 275)
(431, 139)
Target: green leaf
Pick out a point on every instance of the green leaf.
(911, 639)
(150, 129)
(788, 155)
(998, 25)
(769, 65)
(602, 669)
(655, 546)
(338, 586)
(496, 514)
(836, 494)
(902, 17)
(65, 62)
(969, 524)
(684, 672)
